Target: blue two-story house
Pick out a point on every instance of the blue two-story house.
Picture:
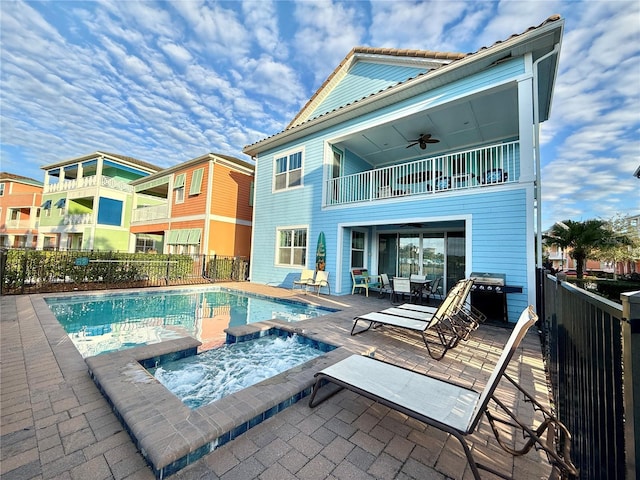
(412, 162)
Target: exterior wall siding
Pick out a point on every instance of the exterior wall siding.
(231, 190)
(193, 204)
(230, 239)
(363, 79)
(493, 248)
(107, 239)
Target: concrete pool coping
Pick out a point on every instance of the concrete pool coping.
(168, 433)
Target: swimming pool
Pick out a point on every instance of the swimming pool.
(110, 322)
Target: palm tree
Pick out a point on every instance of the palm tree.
(581, 239)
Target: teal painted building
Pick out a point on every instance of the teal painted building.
(412, 162)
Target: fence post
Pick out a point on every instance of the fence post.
(166, 278)
(3, 267)
(631, 368)
(23, 276)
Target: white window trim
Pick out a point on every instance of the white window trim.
(287, 153)
(276, 258)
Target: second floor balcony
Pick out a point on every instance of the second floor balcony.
(88, 182)
(29, 224)
(150, 212)
(79, 219)
(475, 168)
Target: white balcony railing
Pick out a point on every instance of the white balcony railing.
(79, 219)
(85, 182)
(496, 164)
(155, 212)
(22, 224)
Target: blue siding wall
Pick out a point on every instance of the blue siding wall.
(363, 79)
(498, 214)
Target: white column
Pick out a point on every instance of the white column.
(526, 130)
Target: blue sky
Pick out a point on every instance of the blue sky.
(165, 82)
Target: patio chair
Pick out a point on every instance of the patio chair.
(495, 175)
(306, 278)
(401, 287)
(322, 280)
(453, 408)
(384, 286)
(435, 289)
(362, 280)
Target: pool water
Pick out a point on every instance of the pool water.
(209, 376)
(110, 322)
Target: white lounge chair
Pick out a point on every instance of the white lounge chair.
(440, 322)
(464, 318)
(452, 408)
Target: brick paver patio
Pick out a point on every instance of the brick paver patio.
(55, 424)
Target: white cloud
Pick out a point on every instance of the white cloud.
(268, 77)
(261, 20)
(327, 31)
(394, 25)
(218, 30)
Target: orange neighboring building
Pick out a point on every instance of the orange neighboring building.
(20, 199)
(201, 206)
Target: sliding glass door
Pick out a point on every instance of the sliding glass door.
(434, 254)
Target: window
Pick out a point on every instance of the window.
(145, 244)
(110, 211)
(292, 247)
(288, 171)
(1, 189)
(196, 182)
(179, 187)
(15, 215)
(357, 249)
(60, 205)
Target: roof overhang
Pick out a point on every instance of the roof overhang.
(539, 42)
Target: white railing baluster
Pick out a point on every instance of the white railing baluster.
(472, 168)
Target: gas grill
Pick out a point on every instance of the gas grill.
(489, 294)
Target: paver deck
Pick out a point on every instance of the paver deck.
(56, 424)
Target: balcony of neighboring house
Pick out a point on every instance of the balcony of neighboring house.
(79, 219)
(151, 200)
(90, 174)
(482, 167)
(88, 182)
(20, 218)
(76, 211)
(145, 213)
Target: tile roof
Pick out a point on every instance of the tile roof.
(124, 158)
(18, 178)
(453, 57)
(237, 162)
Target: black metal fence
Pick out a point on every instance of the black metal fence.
(35, 271)
(588, 350)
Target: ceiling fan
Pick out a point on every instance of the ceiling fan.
(422, 140)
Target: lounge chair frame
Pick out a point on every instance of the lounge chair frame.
(459, 409)
(442, 321)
